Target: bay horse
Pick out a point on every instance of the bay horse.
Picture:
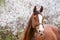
(37, 30)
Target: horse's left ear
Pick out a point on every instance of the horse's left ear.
(34, 10)
(41, 9)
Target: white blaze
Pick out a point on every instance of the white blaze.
(40, 18)
(40, 21)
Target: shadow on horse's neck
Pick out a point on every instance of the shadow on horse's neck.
(29, 32)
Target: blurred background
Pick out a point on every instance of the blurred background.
(14, 15)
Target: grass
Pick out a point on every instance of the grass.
(2, 2)
(8, 37)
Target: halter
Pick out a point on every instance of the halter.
(38, 25)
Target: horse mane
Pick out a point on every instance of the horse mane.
(29, 31)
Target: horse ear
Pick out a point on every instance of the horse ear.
(34, 10)
(41, 9)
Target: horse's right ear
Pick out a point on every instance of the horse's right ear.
(34, 10)
(41, 9)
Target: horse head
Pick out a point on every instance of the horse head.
(37, 20)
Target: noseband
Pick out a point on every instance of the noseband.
(39, 24)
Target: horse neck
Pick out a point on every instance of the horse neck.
(29, 33)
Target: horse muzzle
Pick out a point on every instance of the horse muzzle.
(40, 32)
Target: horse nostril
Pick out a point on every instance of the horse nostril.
(41, 34)
(39, 31)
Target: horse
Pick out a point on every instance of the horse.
(37, 30)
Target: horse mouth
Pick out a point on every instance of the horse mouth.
(41, 33)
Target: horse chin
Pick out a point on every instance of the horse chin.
(41, 33)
